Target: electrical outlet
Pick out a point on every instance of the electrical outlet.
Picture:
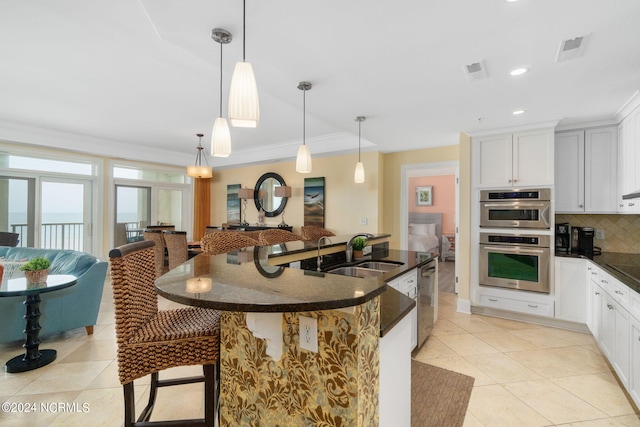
(309, 333)
(600, 234)
(364, 221)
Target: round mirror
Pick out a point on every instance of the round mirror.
(264, 194)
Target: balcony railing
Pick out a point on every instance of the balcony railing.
(61, 235)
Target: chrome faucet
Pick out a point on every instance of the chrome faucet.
(349, 249)
(319, 262)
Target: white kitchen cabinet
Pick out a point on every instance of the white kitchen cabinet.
(586, 173)
(408, 285)
(634, 376)
(570, 290)
(594, 300)
(519, 301)
(395, 374)
(616, 336)
(629, 161)
(514, 159)
(629, 173)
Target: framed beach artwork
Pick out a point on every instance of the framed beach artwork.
(233, 204)
(424, 195)
(314, 201)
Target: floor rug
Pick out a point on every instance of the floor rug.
(439, 397)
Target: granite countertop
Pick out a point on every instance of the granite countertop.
(631, 262)
(245, 281)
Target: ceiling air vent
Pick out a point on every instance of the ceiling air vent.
(571, 49)
(475, 71)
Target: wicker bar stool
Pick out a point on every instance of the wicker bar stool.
(275, 236)
(150, 340)
(226, 241)
(177, 249)
(155, 236)
(312, 232)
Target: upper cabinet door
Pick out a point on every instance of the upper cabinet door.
(495, 161)
(600, 173)
(629, 155)
(533, 158)
(569, 175)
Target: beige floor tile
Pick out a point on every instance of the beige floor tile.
(505, 341)
(475, 324)
(66, 377)
(502, 368)
(446, 327)
(93, 350)
(547, 364)
(508, 323)
(461, 365)
(471, 421)
(623, 421)
(494, 406)
(466, 345)
(179, 402)
(553, 402)
(599, 390)
(578, 355)
(434, 348)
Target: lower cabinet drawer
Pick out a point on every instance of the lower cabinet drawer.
(529, 307)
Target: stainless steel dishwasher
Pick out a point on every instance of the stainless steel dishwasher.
(427, 299)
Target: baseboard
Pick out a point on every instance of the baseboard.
(538, 320)
(463, 306)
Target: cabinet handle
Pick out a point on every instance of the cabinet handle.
(581, 206)
(621, 206)
(603, 281)
(597, 293)
(493, 300)
(532, 306)
(595, 273)
(619, 292)
(410, 281)
(609, 306)
(632, 204)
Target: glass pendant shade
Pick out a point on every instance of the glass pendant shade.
(303, 160)
(358, 176)
(244, 105)
(199, 171)
(221, 138)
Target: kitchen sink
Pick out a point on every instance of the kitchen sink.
(356, 271)
(380, 265)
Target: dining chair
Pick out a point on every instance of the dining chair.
(159, 249)
(276, 236)
(226, 241)
(177, 249)
(313, 232)
(150, 340)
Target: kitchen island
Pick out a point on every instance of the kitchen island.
(269, 378)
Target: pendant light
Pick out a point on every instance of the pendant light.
(221, 136)
(244, 105)
(358, 176)
(198, 170)
(303, 159)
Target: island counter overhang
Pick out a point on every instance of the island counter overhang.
(244, 283)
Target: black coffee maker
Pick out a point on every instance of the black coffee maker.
(585, 241)
(563, 238)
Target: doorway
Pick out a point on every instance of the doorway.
(445, 179)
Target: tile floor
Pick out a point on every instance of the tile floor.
(525, 375)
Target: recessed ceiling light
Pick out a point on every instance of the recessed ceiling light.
(515, 113)
(519, 71)
(510, 1)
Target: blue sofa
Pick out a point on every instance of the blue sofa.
(62, 310)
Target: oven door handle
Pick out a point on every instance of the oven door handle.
(514, 249)
(514, 204)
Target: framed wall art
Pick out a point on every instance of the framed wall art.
(314, 201)
(424, 195)
(233, 204)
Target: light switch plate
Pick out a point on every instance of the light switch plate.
(309, 333)
(600, 234)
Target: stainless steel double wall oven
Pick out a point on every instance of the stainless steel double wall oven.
(515, 260)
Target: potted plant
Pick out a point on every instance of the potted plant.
(36, 270)
(358, 245)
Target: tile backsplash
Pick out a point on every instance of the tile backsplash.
(621, 232)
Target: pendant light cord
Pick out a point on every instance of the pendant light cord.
(221, 79)
(244, 28)
(304, 116)
(358, 141)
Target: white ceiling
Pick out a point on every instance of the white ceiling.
(138, 79)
